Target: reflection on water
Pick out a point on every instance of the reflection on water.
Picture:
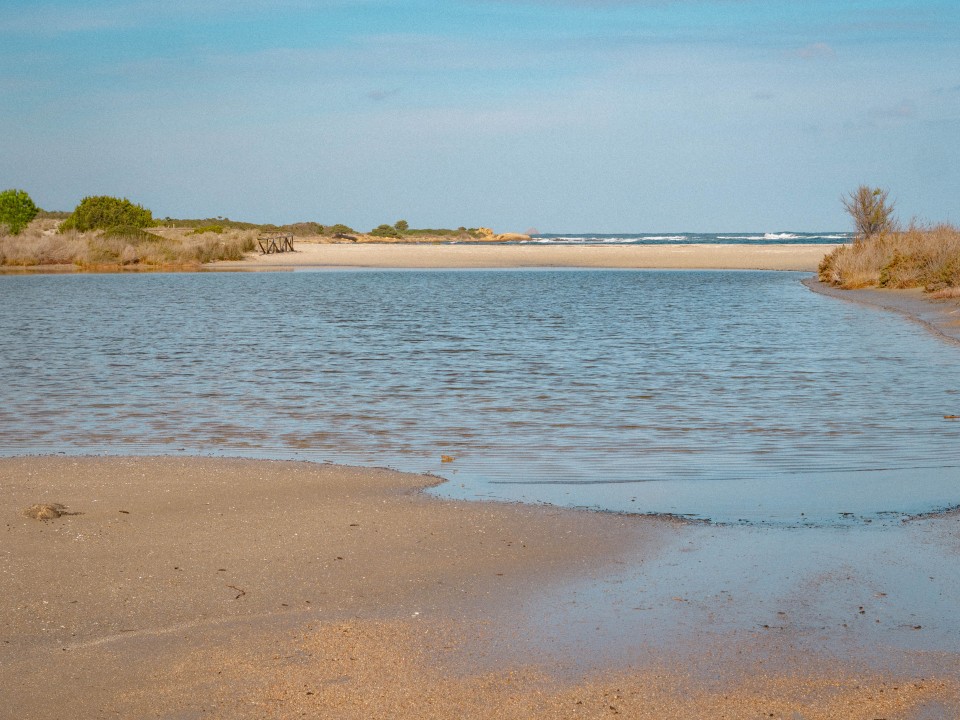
(724, 395)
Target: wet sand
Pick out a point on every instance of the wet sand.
(713, 257)
(236, 588)
(942, 317)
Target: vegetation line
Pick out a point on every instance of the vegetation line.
(108, 233)
(884, 255)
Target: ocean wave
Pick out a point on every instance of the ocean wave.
(685, 238)
(568, 239)
(622, 240)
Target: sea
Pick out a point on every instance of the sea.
(728, 397)
(691, 238)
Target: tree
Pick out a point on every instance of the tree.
(871, 212)
(103, 212)
(401, 226)
(385, 231)
(16, 210)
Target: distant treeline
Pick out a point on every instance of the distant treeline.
(299, 229)
(311, 228)
(104, 212)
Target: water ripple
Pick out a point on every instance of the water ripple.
(725, 395)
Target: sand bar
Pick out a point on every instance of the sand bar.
(234, 589)
(717, 257)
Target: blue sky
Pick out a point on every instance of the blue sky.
(563, 115)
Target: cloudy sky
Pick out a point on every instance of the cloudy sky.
(564, 115)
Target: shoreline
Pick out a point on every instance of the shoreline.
(941, 317)
(252, 588)
(313, 255)
(700, 257)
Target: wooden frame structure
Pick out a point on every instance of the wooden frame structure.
(275, 243)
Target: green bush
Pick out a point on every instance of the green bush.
(52, 214)
(103, 212)
(338, 229)
(16, 210)
(218, 229)
(401, 226)
(223, 222)
(131, 234)
(385, 231)
(299, 229)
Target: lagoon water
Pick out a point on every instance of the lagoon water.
(728, 396)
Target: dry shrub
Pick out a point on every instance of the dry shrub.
(123, 247)
(870, 210)
(947, 293)
(230, 245)
(927, 257)
(39, 244)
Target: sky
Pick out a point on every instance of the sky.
(559, 115)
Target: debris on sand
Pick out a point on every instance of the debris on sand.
(47, 511)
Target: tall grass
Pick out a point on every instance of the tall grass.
(39, 244)
(121, 248)
(927, 257)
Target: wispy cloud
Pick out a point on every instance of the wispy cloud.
(816, 51)
(47, 21)
(465, 88)
(50, 19)
(381, 95)
(900, 111)
(616, 3)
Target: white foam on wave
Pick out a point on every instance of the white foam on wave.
(708, 238)
(632, 240)
(568, 239)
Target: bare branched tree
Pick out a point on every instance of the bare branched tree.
(871, 212)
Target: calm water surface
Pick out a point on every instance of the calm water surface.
(730, 396)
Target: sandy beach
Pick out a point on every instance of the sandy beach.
(718, 257)
(175, 587)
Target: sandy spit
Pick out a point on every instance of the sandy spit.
(718, 257)
(190, 588)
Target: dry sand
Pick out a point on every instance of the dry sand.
(195, 588)
(719, 257)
